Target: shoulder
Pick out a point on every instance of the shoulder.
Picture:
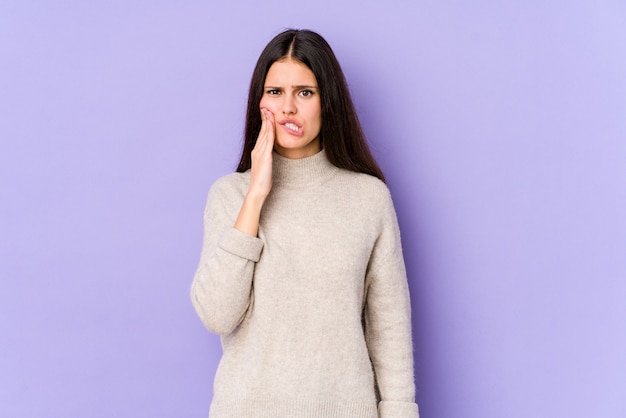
(230, 183)
(229, 189)
(368, 198)
(370, 188)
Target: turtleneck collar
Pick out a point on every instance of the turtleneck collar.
(302, 172)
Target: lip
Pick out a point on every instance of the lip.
(289, 129)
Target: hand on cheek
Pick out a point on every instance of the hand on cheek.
(261, 170)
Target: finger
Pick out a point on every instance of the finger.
(270, 125)
(263, 131)
(267, 122)
(266, 133)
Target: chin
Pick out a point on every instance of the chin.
(290, 145)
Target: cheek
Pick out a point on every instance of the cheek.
(268, 104)
(317, 115)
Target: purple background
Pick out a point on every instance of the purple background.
(501, 126)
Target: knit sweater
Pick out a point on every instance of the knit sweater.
(314, 313)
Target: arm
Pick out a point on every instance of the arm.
(222, 286)
(388, 322)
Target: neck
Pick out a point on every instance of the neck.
(302, 172)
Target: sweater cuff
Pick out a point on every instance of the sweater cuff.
(395, 409)
(241, 244)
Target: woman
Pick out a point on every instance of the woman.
(301, 270)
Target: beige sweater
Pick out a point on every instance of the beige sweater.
(314, 314)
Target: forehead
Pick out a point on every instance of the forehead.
(290, 72)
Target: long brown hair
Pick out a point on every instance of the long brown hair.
(341, 135)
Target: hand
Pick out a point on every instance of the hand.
(260, 177)
(261, 170)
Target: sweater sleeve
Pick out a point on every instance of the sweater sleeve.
(222, 285)
(387, 316)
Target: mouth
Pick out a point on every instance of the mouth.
(292, 127)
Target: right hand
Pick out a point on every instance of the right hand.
(260, 177)
(261, 169)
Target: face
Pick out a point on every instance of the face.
(292, 95)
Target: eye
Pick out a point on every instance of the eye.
(273, 92)
(306, 93)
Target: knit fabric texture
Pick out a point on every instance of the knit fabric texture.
(314, 313)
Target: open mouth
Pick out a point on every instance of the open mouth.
(292, 127)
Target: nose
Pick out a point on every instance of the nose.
(289, 105)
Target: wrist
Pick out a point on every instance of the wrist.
(248, 219)
(254, 200)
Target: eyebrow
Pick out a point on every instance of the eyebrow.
(294, 87)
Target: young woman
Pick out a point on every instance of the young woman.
(301, 270)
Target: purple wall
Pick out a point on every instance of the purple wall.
(501, 126)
